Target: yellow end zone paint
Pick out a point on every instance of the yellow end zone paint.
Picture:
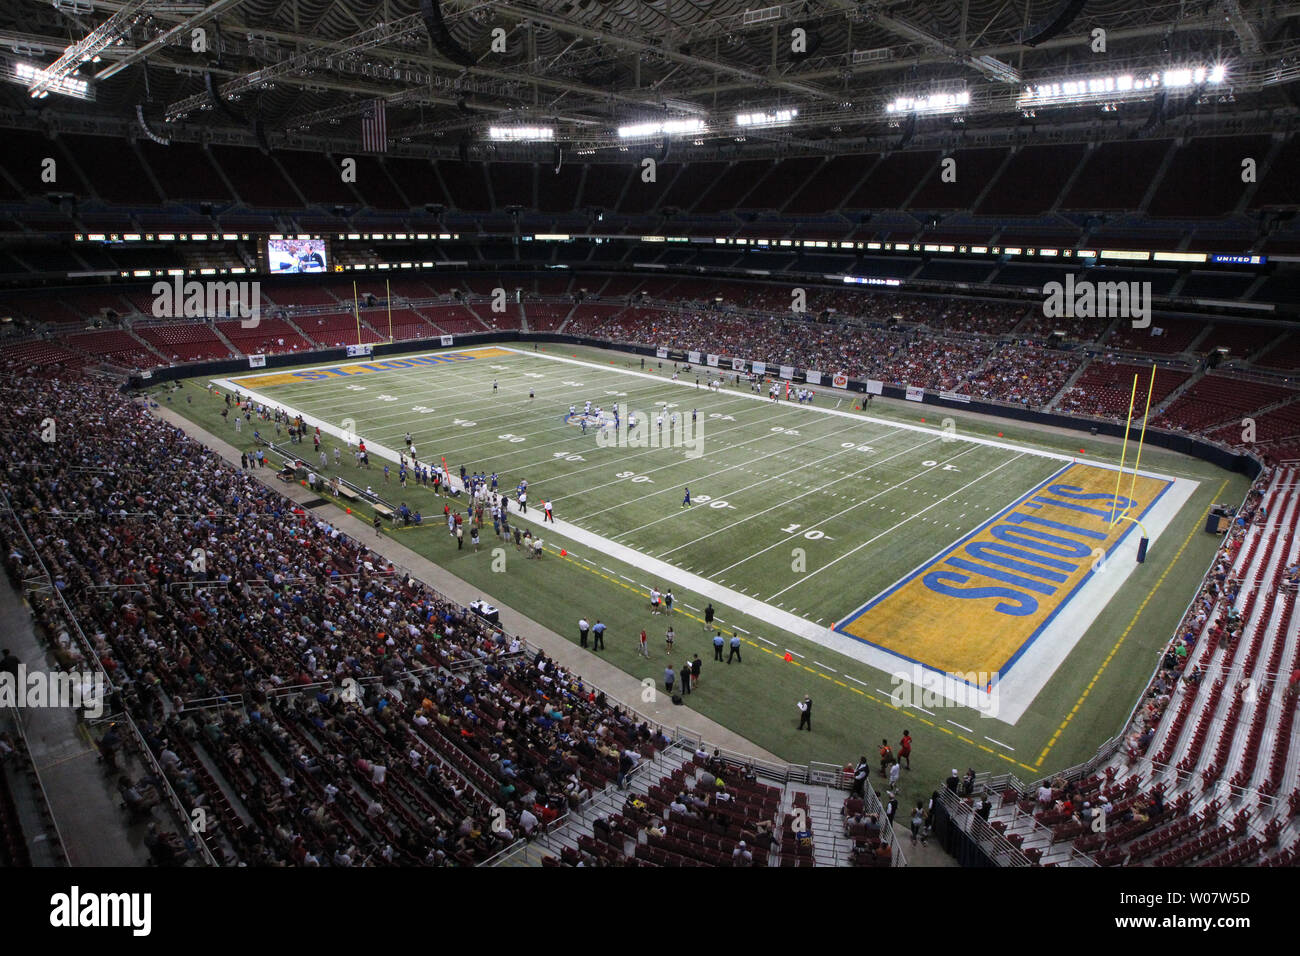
(361, 368)
(977, 606)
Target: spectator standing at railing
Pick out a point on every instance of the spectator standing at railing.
(625, 765)
(528, 822)
(860, 774)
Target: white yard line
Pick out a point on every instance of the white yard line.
(802, 531)
(374, 427)
(858, 417)
(889, 696)
(328, 428)
(675, 464)
(890, 530)
(756, 484)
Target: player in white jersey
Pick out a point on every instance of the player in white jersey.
(588, 408)
(659, 422)
(572, 410)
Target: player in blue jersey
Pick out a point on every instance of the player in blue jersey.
(686, 501)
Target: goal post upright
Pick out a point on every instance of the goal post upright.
(1137, 462)
(1123, 455)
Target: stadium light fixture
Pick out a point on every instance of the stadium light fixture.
(521, 134)
(1124, 86)
(768, 118)
(679, 127)
(934, 103)
(41, 83)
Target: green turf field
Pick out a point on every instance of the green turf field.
(793, 509)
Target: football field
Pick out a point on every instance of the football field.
(931, 555)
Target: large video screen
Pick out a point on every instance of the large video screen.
(295, 255)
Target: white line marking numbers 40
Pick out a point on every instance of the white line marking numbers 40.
(813, 535)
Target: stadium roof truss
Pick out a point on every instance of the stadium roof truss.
(828, 73)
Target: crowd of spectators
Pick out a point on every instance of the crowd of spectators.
(898, 355)
(1023, 374)
(1211, 615)
(358, 716)
(994, 351)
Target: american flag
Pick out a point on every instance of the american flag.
(374, 128)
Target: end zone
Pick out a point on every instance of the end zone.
(1013, 598)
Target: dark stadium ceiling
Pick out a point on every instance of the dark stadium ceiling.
(303, 71)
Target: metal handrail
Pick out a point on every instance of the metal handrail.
(40, 785)
(964, 818)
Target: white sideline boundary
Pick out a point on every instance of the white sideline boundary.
(1016, 692)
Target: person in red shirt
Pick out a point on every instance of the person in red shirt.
(905, 749)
